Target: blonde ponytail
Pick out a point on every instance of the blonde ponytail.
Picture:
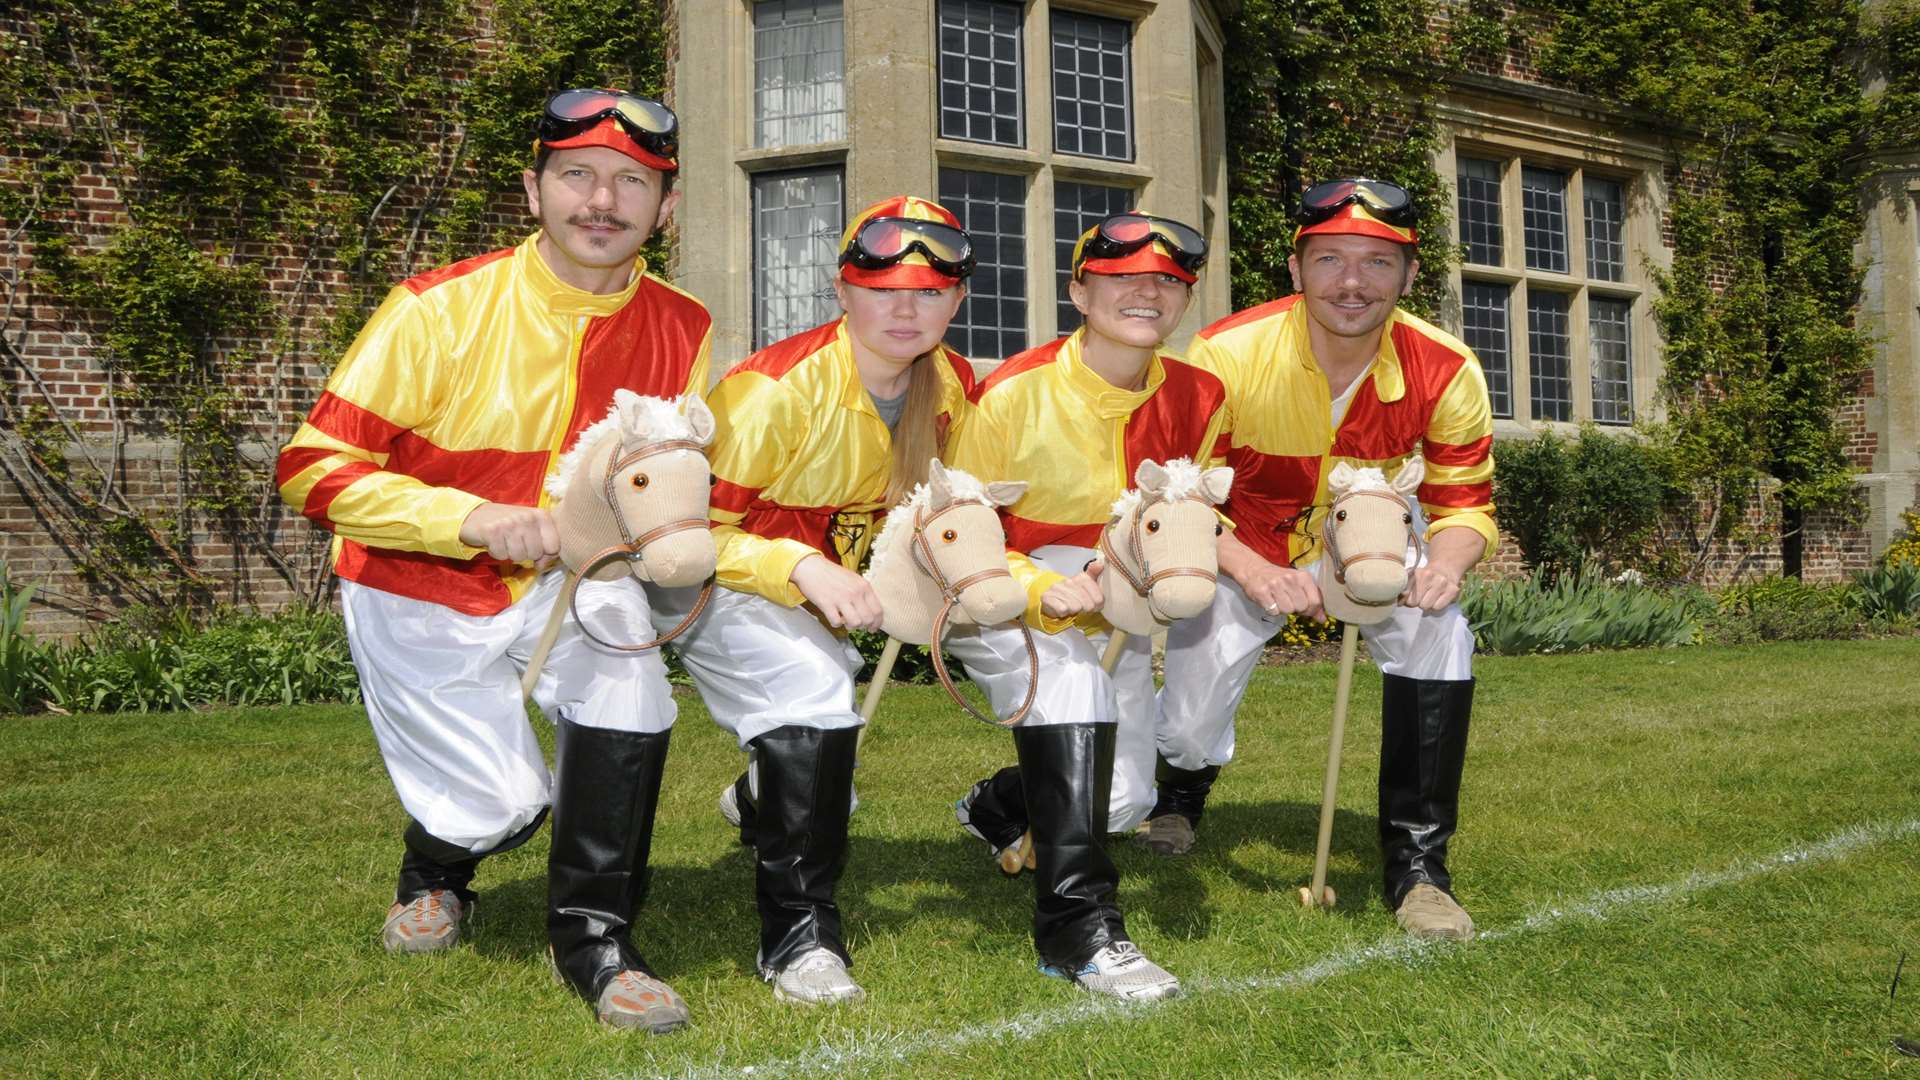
(916, 438)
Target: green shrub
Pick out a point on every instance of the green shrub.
(1784, 609)
(1890, 592)
(1577, 611)
(1905, 548)
(19, 652)
(1595, 498)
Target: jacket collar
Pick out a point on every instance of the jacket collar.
(1109, 401)
(560, 298)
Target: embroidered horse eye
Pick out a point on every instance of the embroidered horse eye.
(1153, 526)
(640, 481)
(712, 480)
(1218, 529)
(1406, 519)
(1340, 515)
(949, 536)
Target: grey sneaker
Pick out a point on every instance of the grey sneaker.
(425, 924)
(1430, 913)
(819, 977)
(634, 999)
(1168, 834)
(1120, 970)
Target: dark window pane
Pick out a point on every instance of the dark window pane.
(1550, 355)
(1606, 223)
(1092, 86)
(980, 60)
(1077, 208)
(1543, 205)
(992, 322)
(1610, 341)
(1479, 182)
(1483, 325)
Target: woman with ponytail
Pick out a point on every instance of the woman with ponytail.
(816, 436)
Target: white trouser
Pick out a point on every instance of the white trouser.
(443, 693)
(760, 666)
(1073, 689)
(1210, 659)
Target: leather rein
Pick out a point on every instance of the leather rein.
(1341, 562)
(631, 547)
(950, 593)
(1145, 578)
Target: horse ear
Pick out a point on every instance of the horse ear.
(633, 414)
(1006, 492)
(1341, 478)
(1408, 478)
(1150, 477)
(939, 488)
(1214, 484)
(699, 417)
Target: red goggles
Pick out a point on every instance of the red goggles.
(1124, 234)
(1385, 201)
(646, 121)
(883, 241)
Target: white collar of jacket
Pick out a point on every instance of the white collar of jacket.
(560, 298)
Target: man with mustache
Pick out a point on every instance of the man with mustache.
(1339, 373)
(427, 458)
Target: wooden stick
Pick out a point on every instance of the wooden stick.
(1116, 644)
(1348, 636)
(877, 685)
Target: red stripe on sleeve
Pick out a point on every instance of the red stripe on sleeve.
(1472, 453)
(329, 488)
(341, 419)
(1025, 534)
(295, 460)
(1457, 496)
(731, 497)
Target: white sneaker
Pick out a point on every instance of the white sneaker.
(819, 977)
(1120, 970)
(730, 805)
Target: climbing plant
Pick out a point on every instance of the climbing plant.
(184, 177)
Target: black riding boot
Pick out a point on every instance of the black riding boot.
(609, 786)
(747, 806)
(1067, 770)
(996, 808)
(800, 839)
(431, 863)
(1423, 749)
(1182, 791)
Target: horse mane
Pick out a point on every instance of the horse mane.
(965, 488)
(1183, 482)
(1369, 478)
(661, 417)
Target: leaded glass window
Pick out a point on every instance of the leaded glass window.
(799, 64)
(1543, 206)
(1092, 86)
(1606, 224)
(980, 81)
(1077, 208)
(1608, 330)
(797, 218)
(1479, 183)
(992, 321)
(1550, 354)
(1484, 322)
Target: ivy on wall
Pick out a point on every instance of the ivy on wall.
(246, 141)
(1765, 112)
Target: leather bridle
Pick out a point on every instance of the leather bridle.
(1145, 578)
(950, 591)
(1340, 563)
(632, 547)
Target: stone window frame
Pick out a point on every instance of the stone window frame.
(1528, 401)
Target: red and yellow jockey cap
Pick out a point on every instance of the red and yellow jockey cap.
(1139, 243)
(1354, 219)
(913, 270)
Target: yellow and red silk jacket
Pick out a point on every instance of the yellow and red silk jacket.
(801, 460)
(464, 388)
(1424, 392)
(1076, 439)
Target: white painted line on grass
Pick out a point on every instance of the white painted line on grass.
(896, 1048)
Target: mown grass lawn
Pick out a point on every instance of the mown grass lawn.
(1695, 863)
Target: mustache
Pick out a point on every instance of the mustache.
(599, 221)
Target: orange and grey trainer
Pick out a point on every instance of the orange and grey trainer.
(425, 923)
(634, 999)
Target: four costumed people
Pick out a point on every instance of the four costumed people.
(428, 453)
